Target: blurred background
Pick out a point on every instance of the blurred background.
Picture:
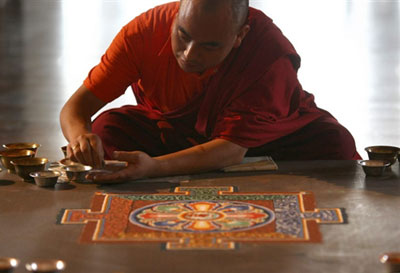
(350, 60)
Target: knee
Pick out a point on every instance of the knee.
(105, 123)
(106, 127)
(342, 143)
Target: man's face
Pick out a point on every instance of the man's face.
(201, 40)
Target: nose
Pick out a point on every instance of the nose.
(190, 52)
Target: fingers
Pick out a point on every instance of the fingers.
(78, 151)
(72, 151)
(97, 152)
(136, 165)
(112, 178)
(84, 152)
(86, 149)
(69, 151)
(132, 169)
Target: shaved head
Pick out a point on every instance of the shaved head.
(205, 31)
(238, 8)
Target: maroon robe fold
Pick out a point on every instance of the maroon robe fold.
(236, 81)
(250, 101)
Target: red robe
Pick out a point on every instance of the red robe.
(232, 106)
(254, 99)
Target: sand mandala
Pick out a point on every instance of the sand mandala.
(202, 218)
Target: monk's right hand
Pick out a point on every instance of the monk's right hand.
(86, 149)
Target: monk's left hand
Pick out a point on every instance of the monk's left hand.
(140, 165)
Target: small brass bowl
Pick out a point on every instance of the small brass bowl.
(24, 166)
(392, 261)
(45, 178)
(388, 153)
(8, 264)
(46, 266)
(7, 155)
(77, 172)
(68, 162)
(374, 167)
(22, 146)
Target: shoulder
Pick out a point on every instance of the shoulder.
(157, 19)
(149, 31)
(162, 13)
(265, 39)
(257, 16)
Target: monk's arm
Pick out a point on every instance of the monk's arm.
(75, 120)
(213, 155)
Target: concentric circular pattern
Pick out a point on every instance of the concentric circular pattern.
(202, 216)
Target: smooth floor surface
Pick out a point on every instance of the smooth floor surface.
(29, 229)
(350, 61)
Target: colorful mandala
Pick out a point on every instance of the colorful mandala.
(202, 216)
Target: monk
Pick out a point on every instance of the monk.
(214, 81)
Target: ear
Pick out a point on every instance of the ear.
(240, 36)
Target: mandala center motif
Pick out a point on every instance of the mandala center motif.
(202, 216)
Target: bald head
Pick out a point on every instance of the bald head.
(205, 31)
(238, 8)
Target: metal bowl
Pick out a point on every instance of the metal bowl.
(374, 167)
(8, 264)
(45, 266)
(7, 155)
(45, 178)
(22, 146)
(77, 172)
(68, 162)
(25, 166)
(388, 153)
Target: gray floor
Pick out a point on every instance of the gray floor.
(350, 52)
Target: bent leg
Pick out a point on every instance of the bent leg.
(122, 130)
(131, 129)
(323, 138)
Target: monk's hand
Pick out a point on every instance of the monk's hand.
(86, 149)
(139, 165)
